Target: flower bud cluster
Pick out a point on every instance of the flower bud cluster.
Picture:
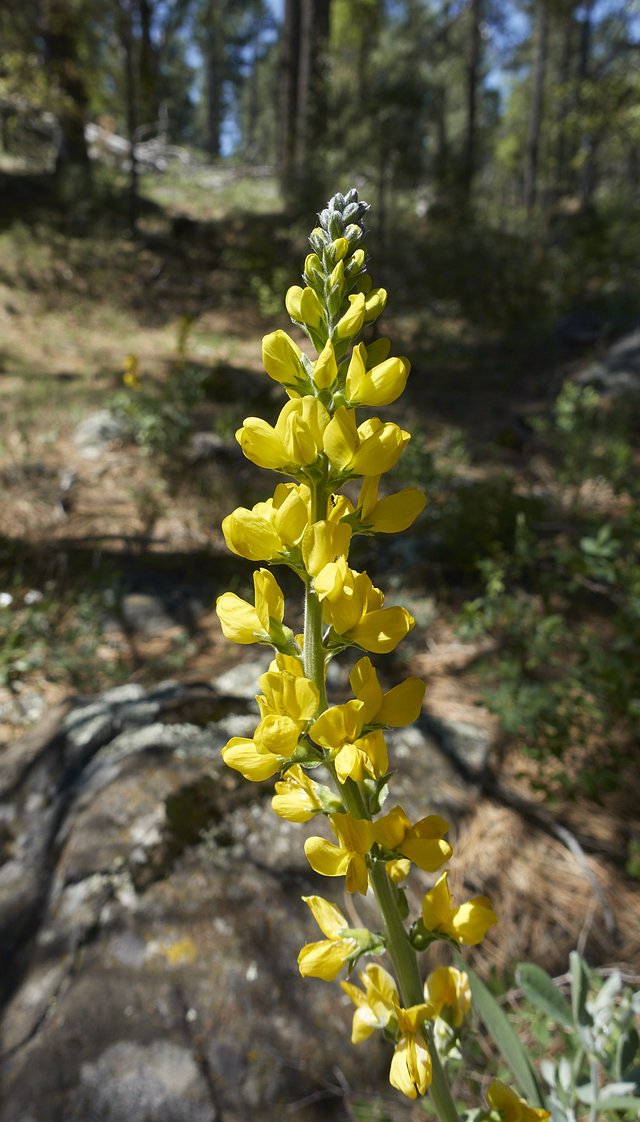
(332, 761)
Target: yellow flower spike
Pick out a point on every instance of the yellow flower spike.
(295, 798)
(325, 370)
(375, 304)
(449, 987)
(422, 843)
(303, 306)
(288, 694)
(326, 958)
(467, 924)
(352, 320)
(411, 1068)
(376, 1003)
(399, 707)
(511, 1107)
(282, 359)
(347, 858)
(251, 623)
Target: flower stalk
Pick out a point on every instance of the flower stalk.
(320, 443)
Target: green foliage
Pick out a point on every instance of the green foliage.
(158, 413)
(564, 609)
(599, 1066)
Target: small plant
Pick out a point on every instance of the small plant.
(331, 760)
(158, 414)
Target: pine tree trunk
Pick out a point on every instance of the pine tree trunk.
(470, 158)
(288, 92)
(61, 30)
(214, 66)
(535, 122)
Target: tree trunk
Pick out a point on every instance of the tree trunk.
(148, 99)
(214, 65)
(61, 31)
(126, 38)
(535, 122)
(288, 92)
(564, 73)
(470, 157)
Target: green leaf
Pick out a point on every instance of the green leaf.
(503, 1036)
(541, 990)
(579, 990)
(627, 1051)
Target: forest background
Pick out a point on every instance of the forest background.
(499, 146)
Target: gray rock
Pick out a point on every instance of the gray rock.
(241, 681)
(146, 614)
(619, 372)
(97, 431)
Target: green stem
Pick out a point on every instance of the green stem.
(401, 952)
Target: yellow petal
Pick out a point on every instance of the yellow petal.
(325, 370)
(243, 755)
(261, 444)
(329, 918)
(402, 704)
(282, 358)
(340, 438)
(325, 959)
(471, 921)
(380, 631)
(239, 620)
(353, 319)
(365, 685)
(250, 536)
(396, 512)
(325, 858)
(427, 854)
(269, 598)
(436, 905)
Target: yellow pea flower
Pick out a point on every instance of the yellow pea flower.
(372, 448)
(448, 987)
(375, 304)
(353, 319)
(379, 385)
(287, 693)
(270, 528)
(326, 958)
(392, 514)
(353, 607)
(380, 630)
(253, 623)
(274, 741)
(282, 359)
(467, 924)
(376, 1003)
(422, 843)
(325, 369)
(510, 1107)
(398, 707)
(294, 442)
(347, 858)
(323, 542)
(338, 730)
(249, 535)
(339, 249)
(303, 306)
(410, 1070)
(295, 798)
(378, 1007)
